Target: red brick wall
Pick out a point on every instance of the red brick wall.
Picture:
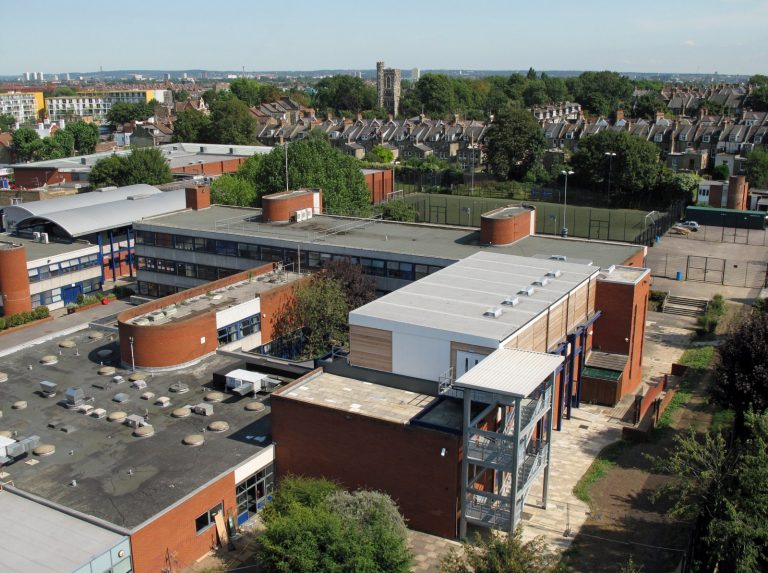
(36, 177)
(14, 281)
(636, 260)
(178, 342)
(716, 195)
(281, 207)
(198, 197)
(380, 184)
(403, 461)
(272, 303)
(212, 167)
(505, 231)
(621, 328)
(738, 192)
(174, 532)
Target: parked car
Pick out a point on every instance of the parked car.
(692, 225)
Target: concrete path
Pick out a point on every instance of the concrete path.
(428, 551)
(61, 326)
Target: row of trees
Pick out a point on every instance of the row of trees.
(77, 138)
(626, 169)
(720, 480)
(124, 112)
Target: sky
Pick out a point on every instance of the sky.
(695, 36)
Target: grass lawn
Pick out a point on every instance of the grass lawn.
(604, 461)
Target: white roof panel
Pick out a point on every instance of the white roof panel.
(247, 375)
(511, 372)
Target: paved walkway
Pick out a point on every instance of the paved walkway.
(428, 550)
(60, 326)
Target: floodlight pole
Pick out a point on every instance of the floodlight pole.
(611, 155)
(286, 165)
(564, 230)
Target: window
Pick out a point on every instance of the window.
(184, 243)
(272, 254)
(206, 273)
(705, 139)
(205, 245)
(247, 251)
(164, 266)
(253, 493)
(227, 248)
(185, 270)
(164, 240)
(207, 519)
(240, 329)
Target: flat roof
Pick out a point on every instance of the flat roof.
(219, 299)
(35, 250)
(505, 212)
(438, 242)
(456, 298)
(624, 275)
(38, 538)
(511, 372)
(364, 398)
(177, 155)
(120, 478)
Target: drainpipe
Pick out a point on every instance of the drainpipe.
(112, 256)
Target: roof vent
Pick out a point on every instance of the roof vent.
(554, 273)
(493, 312)
(558, 258)
(527, 291)
(511, 301)
(543, 281)
(610, 269)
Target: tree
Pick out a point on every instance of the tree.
(86, 136)
(721, 172)
(741, 374)
(515, 143)
(232, 190)
(344, 94)
(435, 94)
(181, 95)
(248, 90)
(601, 92)
(191, 126)
(634, 170)
(144, 165)
(6, 122)
(314, 163)
(647, 105)
(725, 489)
(399, 211)
(106, 172)
(319, 309)
(231, 121)
(123, 112)
(25, 143)
(359, 289)
(757, 168)
(64, 91)
(380, 154)
(501, 554)
(313, 526)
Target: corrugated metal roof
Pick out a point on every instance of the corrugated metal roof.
(510, 372)
(114, 214)
(39, 538)
(25, 210)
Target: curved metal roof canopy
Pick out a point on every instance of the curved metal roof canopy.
(93, 218)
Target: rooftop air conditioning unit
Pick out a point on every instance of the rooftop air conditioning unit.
(300, 215)
(308, 213)
(558, 258)
(44, 238)
(527, 291)
(511, 301)
(610, 269)
(543, 281)
(555, 273)
(493, 312)
(36, 236)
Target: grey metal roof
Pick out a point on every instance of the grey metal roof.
(40, 539)
(25, 210)
(510, 372)
(454, 299)
(115, 214)
(608, 361)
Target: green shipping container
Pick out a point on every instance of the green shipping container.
(726, 217)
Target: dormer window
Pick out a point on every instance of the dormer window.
(705, 138)
(658, 138)
(683, 137)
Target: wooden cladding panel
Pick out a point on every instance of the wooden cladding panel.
(577, 306)
(539, 330)
(512, 343)
(370, 348)
(557, 319)
(591, 301)
(525, 338)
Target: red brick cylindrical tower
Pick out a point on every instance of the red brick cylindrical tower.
(14, 280)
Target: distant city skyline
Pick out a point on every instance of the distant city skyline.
(708, 36)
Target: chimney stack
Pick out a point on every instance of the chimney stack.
(198, 197)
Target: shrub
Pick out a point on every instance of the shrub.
(2, 323)
(41, 312)
(123, 292)
(14, 320)
(709, 320)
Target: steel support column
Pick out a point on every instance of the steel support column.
(465, 464)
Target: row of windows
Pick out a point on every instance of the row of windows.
(49, 297)
(190, 270)
(64, 267)
(309, 259)
(240, 329)
(156, 290)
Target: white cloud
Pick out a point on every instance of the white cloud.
(689, 43)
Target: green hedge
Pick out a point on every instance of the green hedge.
(14, 320)
(709, 320)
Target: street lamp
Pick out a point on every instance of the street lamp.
(610, 155)
(564, 230)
